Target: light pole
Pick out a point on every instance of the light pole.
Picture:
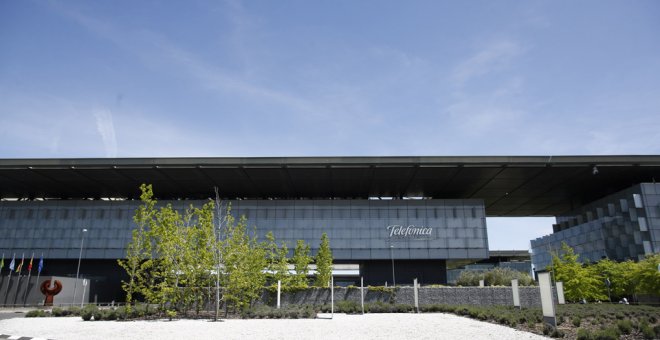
(75, 283)
(392, 257)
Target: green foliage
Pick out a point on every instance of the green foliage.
(171, 314)
(576, 320)
(72, 310)
(646, 275)
(168, 258)
(589, 281)
(277, 262)
(620, 276)
(290, 312)
(88, 311)
(244, 261)
(584, 334)
(348, 307)
(57, 311)
(579, 281)
(608, 333)
(301, 261)
(323, 263)
(37, 313)
(625, 326)
(648, 332)
(138, 250)
(497, 276)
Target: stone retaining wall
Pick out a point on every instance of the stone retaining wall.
(529, 296)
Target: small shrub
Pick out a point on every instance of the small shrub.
(556, 333)
(625, 326)
(171, 314)
(109, 314)
(37, 313)
(308, 312)
(72, 311)
(547, 329)
(98, 315)
(576, 320)
(348, 307)
(647, 332)
(583, 334)
(57, 311)
(403, 308)
(121, 314)
(378, 307)
(87, 312)
(610, 333)
(293, 314)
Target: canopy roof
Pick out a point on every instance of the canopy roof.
(509, 185)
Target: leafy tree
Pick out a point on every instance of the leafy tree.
(579, 281)
(138, 250)
(277, 261)
(244, 261)
(197, 256)
(619, 275)
(323, 263)
(647, 276)
(301, 261)
(169, 257)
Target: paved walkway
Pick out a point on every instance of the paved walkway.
(369, 326)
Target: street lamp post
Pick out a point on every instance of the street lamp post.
(392, 257)
(75, 283)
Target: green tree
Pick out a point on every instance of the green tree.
(170, 255)
(579, 281)
(301, 261)
(197, 256)
(323, 263)
(244, 261)
(138, 250)
(277, 261)
(619, 275)
(647, 275)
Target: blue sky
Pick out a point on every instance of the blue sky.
(304, 78)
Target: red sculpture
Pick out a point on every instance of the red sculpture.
(50, 292)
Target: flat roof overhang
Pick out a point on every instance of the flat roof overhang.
(509, 185)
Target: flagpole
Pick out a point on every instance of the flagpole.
(39, 267)
(19, 270)
(27, 283)
(7, 289)
(11, 269)
(2, 266)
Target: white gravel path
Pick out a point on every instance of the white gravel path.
(343, 327)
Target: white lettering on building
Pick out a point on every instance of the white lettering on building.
(411, 231)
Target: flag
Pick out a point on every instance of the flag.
(41, 264)
(11, 264)
(20, 265)
(30, 264)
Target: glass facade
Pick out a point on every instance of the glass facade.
(358, 229)
(621, 226)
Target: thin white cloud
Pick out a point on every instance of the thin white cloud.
(106, 129)
(495, 56)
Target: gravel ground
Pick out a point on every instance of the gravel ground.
(369, 326)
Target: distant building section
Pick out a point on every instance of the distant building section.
(621, 226)
(515, 259)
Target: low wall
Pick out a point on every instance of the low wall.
(17, 291)
(529, 296)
